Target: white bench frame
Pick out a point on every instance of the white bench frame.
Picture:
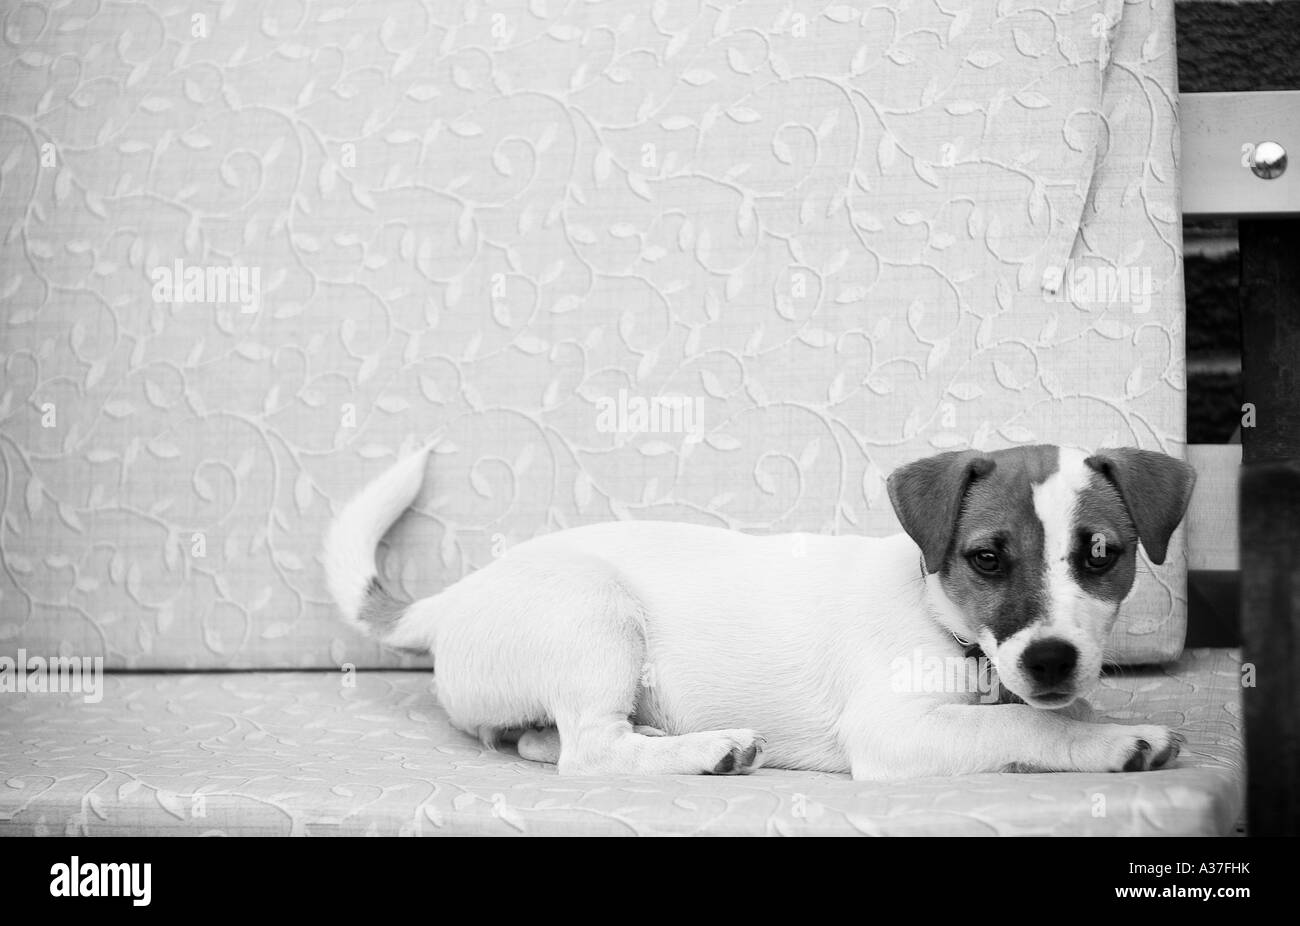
(1219, 133)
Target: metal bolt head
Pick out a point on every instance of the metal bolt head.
(1268, 160)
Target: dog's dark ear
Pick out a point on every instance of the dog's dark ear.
(1156, 489)
(927, 497)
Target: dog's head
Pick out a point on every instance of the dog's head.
(1032, 550)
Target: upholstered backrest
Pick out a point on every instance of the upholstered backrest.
(837, 237)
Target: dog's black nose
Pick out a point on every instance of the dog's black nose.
(1049, 662)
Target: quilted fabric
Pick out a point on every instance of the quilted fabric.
(831, 229)
(300, 753)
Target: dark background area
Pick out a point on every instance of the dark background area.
(1222, 47)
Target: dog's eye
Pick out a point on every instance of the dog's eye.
(1095, 563)
(986, 561)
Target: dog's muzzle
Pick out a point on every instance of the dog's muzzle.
(1050, 666)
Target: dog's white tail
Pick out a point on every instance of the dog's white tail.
(355, 534)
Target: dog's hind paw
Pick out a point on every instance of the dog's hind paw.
(742, 757)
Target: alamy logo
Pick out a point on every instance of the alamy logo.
(232, 285)
(83, 675)
(927, 673)
(1100, 285)
(103, 879)
(660, 414)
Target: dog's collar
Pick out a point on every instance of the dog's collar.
(1005, 695)
(968, 648)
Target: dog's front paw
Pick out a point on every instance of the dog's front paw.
(1120, 748)
(1154, 752)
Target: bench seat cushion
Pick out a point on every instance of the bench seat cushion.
(255, 753)
(826, 231)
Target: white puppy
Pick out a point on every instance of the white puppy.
(641, 647)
